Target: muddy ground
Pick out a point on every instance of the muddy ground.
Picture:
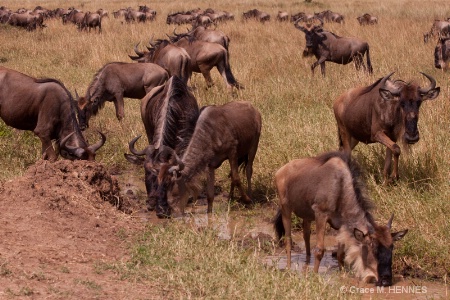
(60, 220)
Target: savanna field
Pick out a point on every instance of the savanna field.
(172, 260)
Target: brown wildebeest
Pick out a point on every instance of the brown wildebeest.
(327, 46)
(442, 53)
(367, 19)
(282, 16)
(75, 16)
(201, 33)
(256, 15)
(329, 16)
(383, 112)
(179, 18)
(328, 189)
(175, 60)
(92, 20)
(28, 20)
(117, 80)
(169, 113)
(438, 28)
(224, 132)
(45, 107)
(205, 56)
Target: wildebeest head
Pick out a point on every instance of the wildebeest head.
(408, 97)
(80, 152)
(313, 35)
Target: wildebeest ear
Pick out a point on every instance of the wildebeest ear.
(137, 160)
(386, 95)
(431, 94)
(359, 235)
(397, 236)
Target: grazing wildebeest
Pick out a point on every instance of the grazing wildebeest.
(330, 16)
(327, 46)
(180, 18)
(47, 108)
(169, 113)
(282, 16)
(74, 16)
(92, 20)
(175, 60)
(257, 15)
(27, 20)
(132, 16)
(328, 189)
(442, 53)
(205, 56)
(224, 132)
(367, 19)
(438, 28)
(117, 80)
(383, 112)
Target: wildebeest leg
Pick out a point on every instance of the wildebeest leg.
(206, 72)
(47, 148)
(286, 218)
(387, 164)
(210, 189)
(320, 62)
(393, 148)
(119, 104)
(306, 225)
(341, 255)
(236, 181)
(358, 60)
(319, 250)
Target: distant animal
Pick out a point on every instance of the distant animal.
(179, 18)
(202, 33)
(174, 59)
(327, 46)
(384, 112)
(329, 189)
(92, 20)
(367, 19)
(28, 20)
(47, 108)
(302, 16)
(282, 16)
(329, 16)
(169, 113)
(223, 132)
(205, 56)
(256, 15)
(113, 82)
(74, 16)
(442, 53)
(134, 16)
(438, 28)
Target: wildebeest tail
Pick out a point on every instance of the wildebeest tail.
(369, 64)
(230, 77)
(278, 225)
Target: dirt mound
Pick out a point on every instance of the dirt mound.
(56, 222)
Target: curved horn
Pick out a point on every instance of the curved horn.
(151, 41)
(140, 53)
(99, 144)
(179, 164)
(65, 139)
(392, 88)
(76, 95)
(389, 224)
(299, 26)
(76, 151)
(132, 149)
(432, 84)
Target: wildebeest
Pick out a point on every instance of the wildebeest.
(117, 80)
(282, 16)
(205, 56)
(132, 16)
(202, 33)
(257, 15)
(74, 16)
(442, 53)
(327, 46)
(175, 60)
(329, 189)
(45, 107)
(169, 113)
(92, 20)
(383, 112)
(28, 20)
(367, 19)
(223, 132)
(439, 28)
(329, 16)
(179, 18)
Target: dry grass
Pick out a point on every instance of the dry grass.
(296, 107)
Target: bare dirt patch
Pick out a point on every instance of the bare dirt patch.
(57, 222)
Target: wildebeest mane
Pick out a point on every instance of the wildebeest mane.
(371, 87)
(173, 127)
(359, 185)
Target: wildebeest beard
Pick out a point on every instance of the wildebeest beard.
(308, 51)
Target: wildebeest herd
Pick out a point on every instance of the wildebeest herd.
(185, 141)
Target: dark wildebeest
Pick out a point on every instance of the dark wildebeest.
(330, 16)
(367, 19)
(74, 16)
(442, 53)
(169, 113)
(132, 16)
(205, 56)
(92, 20)
(225, 132)
(328, 189)
(439, 28)
(117, 80)
(47, 108)
(201, 33)
(257, 15)
(382, 113)
(327, 46)
(27, 20)
(175, 60)
(179, 18)
(282, 16)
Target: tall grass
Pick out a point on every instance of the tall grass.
(296, 107)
